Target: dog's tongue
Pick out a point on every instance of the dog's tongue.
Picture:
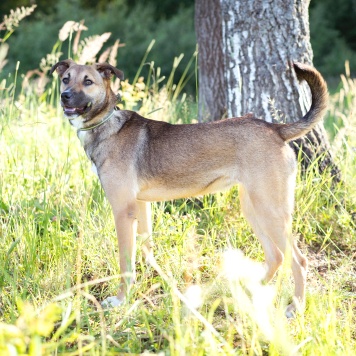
(68, 110)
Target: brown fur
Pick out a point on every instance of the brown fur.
(140, 160)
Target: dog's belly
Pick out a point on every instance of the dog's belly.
(161, 192)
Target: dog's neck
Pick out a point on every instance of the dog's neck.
(97, 124)
(82, 123)
(83, 130)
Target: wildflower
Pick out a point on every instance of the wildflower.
(68, 27)
(11, 21)
(91, 46)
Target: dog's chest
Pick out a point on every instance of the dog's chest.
(85, 141)
(82, 137)
(94, 170)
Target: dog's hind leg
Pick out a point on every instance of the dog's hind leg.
(273, 255)
(299, 268)
(277, 224)
(270, 214)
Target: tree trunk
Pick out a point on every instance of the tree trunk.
(259, 40)
(212, 98)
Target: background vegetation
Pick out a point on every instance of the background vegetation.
(171, 23)
(333, 35)
(134, 23)
(58, 250)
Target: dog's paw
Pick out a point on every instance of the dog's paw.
(290, 311)
(111, 302)
(150, 259)
(294, 308)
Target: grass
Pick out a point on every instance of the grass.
(59, 253)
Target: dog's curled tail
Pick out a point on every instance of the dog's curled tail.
(319, 92)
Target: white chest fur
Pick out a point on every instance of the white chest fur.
(81, 136)
(94, 170)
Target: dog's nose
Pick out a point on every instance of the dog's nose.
(66, 95)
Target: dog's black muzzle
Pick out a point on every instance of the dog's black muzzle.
(75, 103)
(66, 96)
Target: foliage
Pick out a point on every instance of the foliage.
(25, 337)
(10, 22)
(123, 23)
(170, 23)
(13, 20)
(163, 8)
(333, 35)
(341, 16)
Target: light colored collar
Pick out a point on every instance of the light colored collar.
(89, 128)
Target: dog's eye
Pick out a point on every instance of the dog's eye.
(65, 80)
(88, 82)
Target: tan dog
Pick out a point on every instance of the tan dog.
(140, 160)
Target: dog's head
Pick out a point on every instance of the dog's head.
(85, 89)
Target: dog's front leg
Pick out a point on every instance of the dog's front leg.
(126, 227)
(144, 228)
(125, 211)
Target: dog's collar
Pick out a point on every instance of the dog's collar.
(89, 128)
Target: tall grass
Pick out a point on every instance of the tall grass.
(59, 253)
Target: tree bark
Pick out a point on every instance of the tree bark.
(212, 103)
(259, 40)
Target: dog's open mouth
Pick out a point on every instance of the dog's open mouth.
(76, 111)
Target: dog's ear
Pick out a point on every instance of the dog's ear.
(106, 70)
(62, 66)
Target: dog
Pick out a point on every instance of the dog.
(139, 161)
